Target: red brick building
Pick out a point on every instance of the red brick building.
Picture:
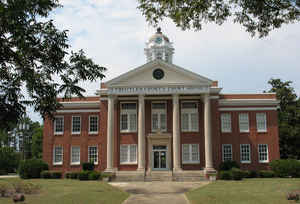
(162, 118)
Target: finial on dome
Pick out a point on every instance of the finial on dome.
(158, 30)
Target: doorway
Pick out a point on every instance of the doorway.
(159, 157)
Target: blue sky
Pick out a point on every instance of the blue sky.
(113, 33)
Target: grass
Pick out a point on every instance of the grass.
(65, 191)
(248, 191)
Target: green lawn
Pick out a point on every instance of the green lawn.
(248, 191)
(65, 191)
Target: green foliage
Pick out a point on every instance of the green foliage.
(288, 118)
(71, 175)
(252, 174)
(33, 52)
(9, 160)
(45, 174)
(37, 143)
(225, 175)
(88, 166)
(25, 187)
(32, 168)
(256, 16)
(83, 175)
(237, 174)
(266, 174)
(94, 175)
(286, 168)
(227, 165)
(56, 174)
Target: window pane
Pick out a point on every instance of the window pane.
(128, 106)
(76, 124)
(227, 152)
(158, 106)
(226, 122)
(75, 155)
(58, 154)
(124, 123)
(261, 122)
(263, 152)
(132, 153)
(194, 121)
(245, 152)
(189, 105)
(123, 153)
(93, 123)
(133, 122)
(154, 122)
(185, 121)
(59, 124)
(93, 154)
(195, 152)
(163, 122)
(244, 122)
(185, 153)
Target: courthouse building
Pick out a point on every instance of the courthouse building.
(162, 121)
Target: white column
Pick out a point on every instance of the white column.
(110, 133)
(207, 134)
(141, 134)
(176, 134)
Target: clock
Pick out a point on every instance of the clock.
(158, 40)
(158, 74)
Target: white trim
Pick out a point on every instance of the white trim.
(75, 133)
(223, 152)
(54, 125)
(248, 102)
(248, 109)
(90, 124)
(265, 129)
(263, 161)
(245, 161)
(248, 123)
(96, 163)
(159, 112)
(223, 120)
(80, 104)
(53, 154)
(128, 154)
(79, 111)
(71, 156)
(128, 113)
(214, 97)
(190, 161)
(189, 111)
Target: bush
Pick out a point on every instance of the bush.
(286, 168)
(237, 174)
(45, 174)
(32, 168)
(295, 195)
(74, 175)
(9, 160)
(246, 174)
(228, 165)
(56, 174)
(266, 174)
(4, 189)
(88, 166)
(94, 175)
(83, 175)
(225, 175)
(252, 174)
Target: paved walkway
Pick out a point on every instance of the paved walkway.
(158, 192)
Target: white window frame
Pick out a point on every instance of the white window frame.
(128, 154)
(189, 111)
(223, 153)
(58, 132)
(241, 153)
(259, 153)
(264, 114)
(71, 156)
(191, 161)
(223, 121)
(93, 132)
(97, 153)
(62, 155)
(75, 133)
(128, 112)
(245, 122)
(159, 112)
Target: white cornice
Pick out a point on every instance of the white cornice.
(79, 111)
(248, 102)
(248, 109)
(80, 104)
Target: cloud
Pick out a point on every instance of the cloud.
(113, 34)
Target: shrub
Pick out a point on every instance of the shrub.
(266, 174)
(45, 174)
(4, 189)
(94, 175)
(56, 174)
(88, 166)
(225, 175)
(286, 168)
(9, 159)
(32, 168)
(3, 172)
(227, 165)
(74, 175)
(252, 174)
(295, 195)
(237, 174)
(83, 175)
(246, 174)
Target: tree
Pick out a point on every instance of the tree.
(256, 16)
(37, 143)
(288, 118)
(35, 54)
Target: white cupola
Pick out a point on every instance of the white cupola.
(159, 47)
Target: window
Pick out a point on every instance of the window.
(190, 153)
(128, 117)
(93, 124)
(59, 125)
(76, 124)
(159, 117)
(58, 155)
(244, 122)
(227, 152)
(75, 155)
(226, 122)
(128, 154)
(245, 153)
(189, 117)
(263, 153)
(93, 154)
(261, 122)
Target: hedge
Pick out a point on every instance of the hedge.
(266, 174)
(286, 168)
(94, 175)
(88, 166)
(228, 165)
(237, 174)
(32, 168)
(83, 175)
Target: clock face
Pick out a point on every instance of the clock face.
(158, 40)
(158, 74)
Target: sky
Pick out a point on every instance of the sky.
(113, 33)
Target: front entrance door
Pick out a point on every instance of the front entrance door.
(159, 155)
